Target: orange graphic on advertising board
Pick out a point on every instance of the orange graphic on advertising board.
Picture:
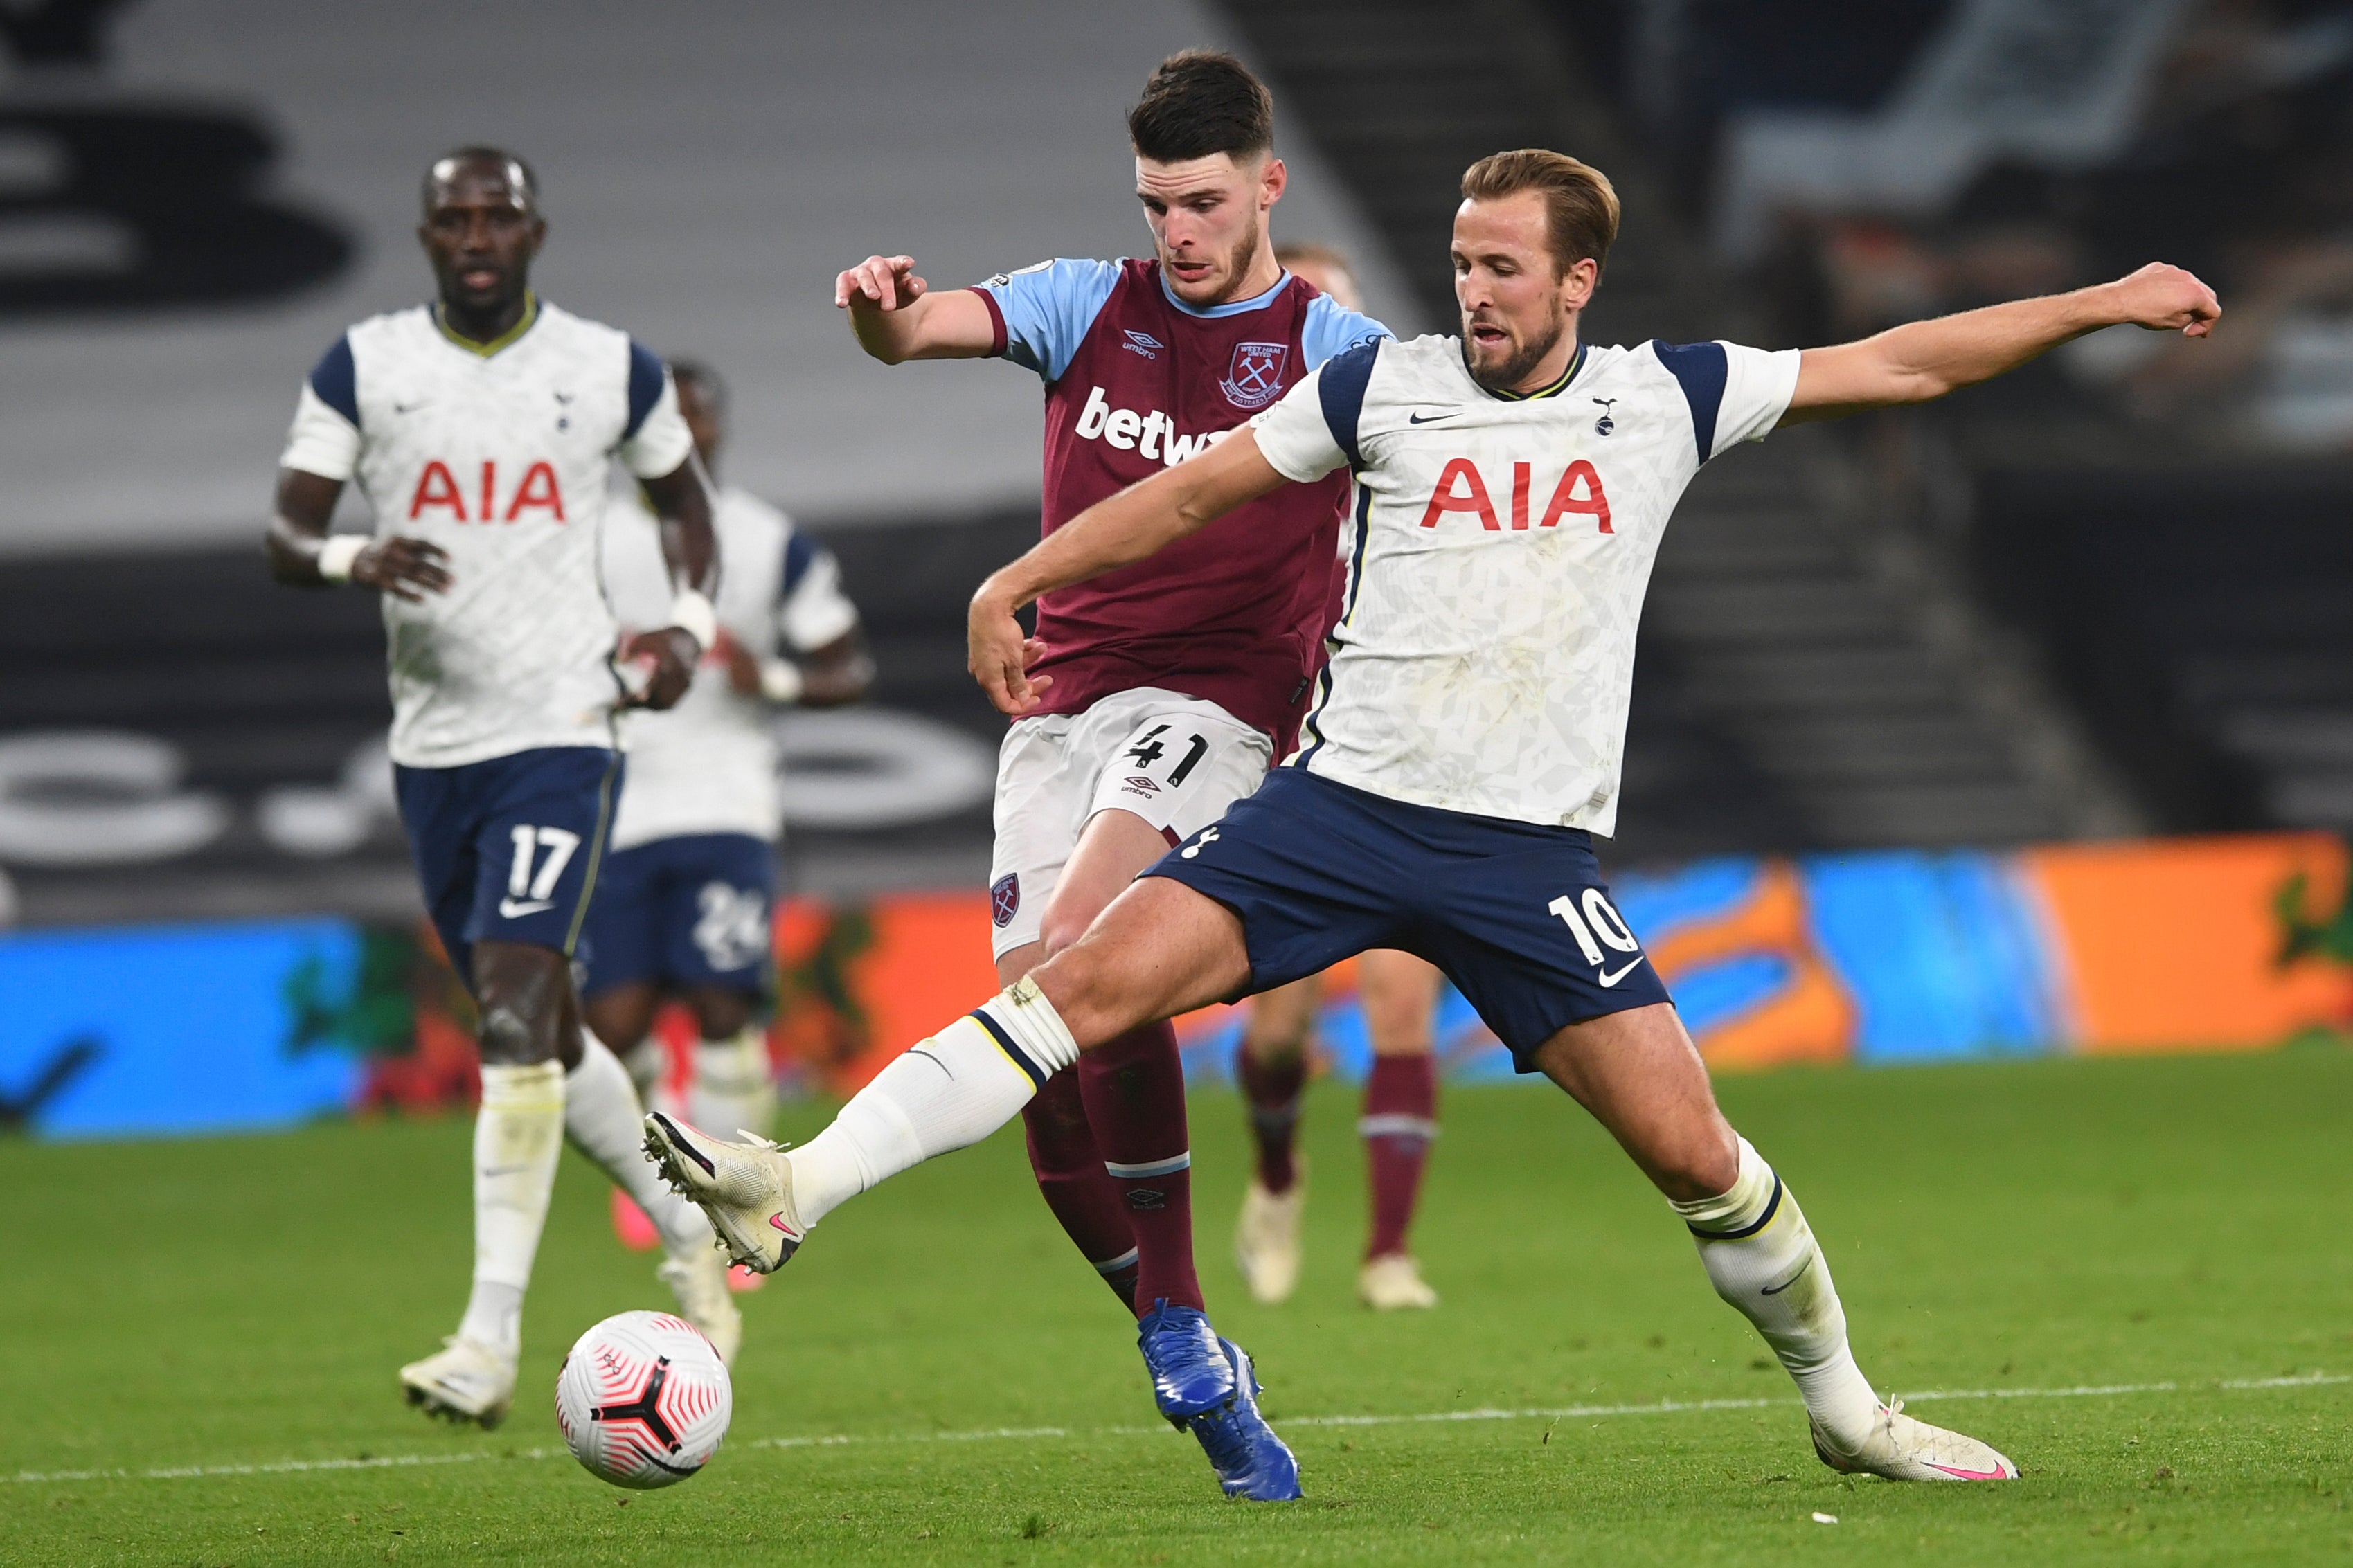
(1809, 1018)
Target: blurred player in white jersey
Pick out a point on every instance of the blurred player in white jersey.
(1398, 994)
(481, 430)
(1467, 744)
(682, 903)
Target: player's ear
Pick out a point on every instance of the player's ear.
(1271, 182)
(1578, 283)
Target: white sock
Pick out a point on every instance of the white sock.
(733, 1091)
(607, 1123)
(647, 1064)
(1762, 1257)
(954, 1089)
(517, 1134)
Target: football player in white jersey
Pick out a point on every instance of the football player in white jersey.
(480, 430)
(1466, 743)
(682, 902)
(1398, 994)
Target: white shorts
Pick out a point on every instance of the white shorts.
(1175, 761)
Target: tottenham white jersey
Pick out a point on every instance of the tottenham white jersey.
(710, 764)
(499, 454)
(1485, 655)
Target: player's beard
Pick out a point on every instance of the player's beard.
(1239, 262)
(1507, 375)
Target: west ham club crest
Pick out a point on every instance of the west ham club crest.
(1005, 900)
(1255, 378)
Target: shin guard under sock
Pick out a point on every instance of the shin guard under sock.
(1071, 1174)
(518, 1132)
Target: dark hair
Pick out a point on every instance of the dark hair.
(479, 154)
(1201, 103)
(1580, 204)
(704, 379)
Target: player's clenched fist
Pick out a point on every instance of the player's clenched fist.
(878, 283)
(665, 659)
(2166, 299)
(405, 568)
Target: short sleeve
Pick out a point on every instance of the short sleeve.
(656, 441)
(1758, 386)
(1332, 329)
(814, 610)
(1736, 393)
(1043, 312)
(1293, 435)
(325, 437)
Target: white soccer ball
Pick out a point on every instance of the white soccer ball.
(643, 1400)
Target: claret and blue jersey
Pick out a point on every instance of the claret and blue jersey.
(1136, 381)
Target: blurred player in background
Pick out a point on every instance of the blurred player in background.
(682, 902)
(1398, 994)
(481, 430)
(1172, 685)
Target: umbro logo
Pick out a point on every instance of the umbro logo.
(1144, 344)
(1142, 785)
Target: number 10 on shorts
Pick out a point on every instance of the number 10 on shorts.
(1595, 919)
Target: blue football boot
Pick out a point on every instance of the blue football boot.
(1252, 1462)
(1189, 1372)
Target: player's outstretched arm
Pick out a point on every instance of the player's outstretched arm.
(1925, 360)
(897, 318)
(1138, 521)
(300, 551)
(681, 504)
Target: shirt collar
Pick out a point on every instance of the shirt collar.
(1232, 306)
(504, 339)
(1576, 363)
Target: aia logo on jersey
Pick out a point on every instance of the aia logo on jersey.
(1461, 488)
(1005, 898)
(438, 490)
(1255, 378)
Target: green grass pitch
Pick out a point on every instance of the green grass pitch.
(2037, 1227)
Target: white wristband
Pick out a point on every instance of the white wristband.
(692, 612)
(781, 681)
(336, 555)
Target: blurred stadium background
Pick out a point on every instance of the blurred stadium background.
(2021, 724)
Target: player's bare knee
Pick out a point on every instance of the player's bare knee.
(510, 1040)
(1703, 1162)
(722, 1014)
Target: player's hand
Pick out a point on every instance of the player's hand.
(878, 283)
(743, 665)
(1000, 656)
(408, 569)
(2166, 299)
(668, 656)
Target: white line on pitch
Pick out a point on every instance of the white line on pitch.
(999, 1434)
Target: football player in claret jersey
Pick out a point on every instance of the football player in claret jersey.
(480, 430)
(1465, 746)
(682, 903)
(1398, 994)
(1170, 687)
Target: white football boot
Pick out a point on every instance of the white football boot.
(700, 1283)
(1903, 1448)
(468, 1381)
(1392, 1283)
(1266, 1238)
(745, 1188)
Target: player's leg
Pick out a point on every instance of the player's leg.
(1399, 993)
(1638, 1074)
(551, 819)
(1272, 1067)
(715, 939)
(519, 1126)
(1041, 808)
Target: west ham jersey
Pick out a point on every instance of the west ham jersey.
(499, 454)
(1485, 652)
(1136, 382)
(710, 764)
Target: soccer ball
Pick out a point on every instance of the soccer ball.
(643, 1400)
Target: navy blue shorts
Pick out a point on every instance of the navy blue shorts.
(507, 849)
(687, 912)
(1516, 914)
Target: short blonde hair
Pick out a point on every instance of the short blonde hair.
(1580, 204)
